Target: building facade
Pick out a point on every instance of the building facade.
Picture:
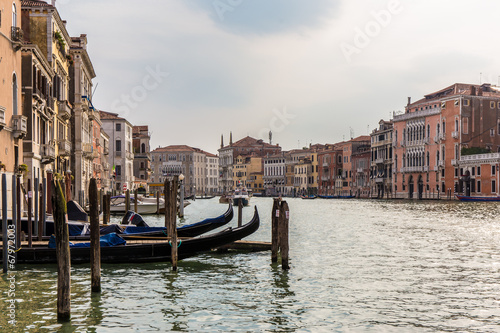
(381, 160)
(142, 158)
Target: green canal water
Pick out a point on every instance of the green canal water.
(356, 266)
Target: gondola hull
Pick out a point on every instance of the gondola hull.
(146, 251)
(476, 199)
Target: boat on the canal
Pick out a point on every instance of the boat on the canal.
(143, 251)
(241, 194)
(144, 206)
(471, 198)
(336, 196)
(308, 197)
(134, 226)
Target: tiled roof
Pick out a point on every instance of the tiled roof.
(249, 141)
(109, 116)
(35, 3)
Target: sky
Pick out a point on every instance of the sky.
(318, 71)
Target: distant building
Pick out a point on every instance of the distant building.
(381, 160)
(121, 156)
(247, 146)
(142, 158)
(330, 167)
(355, 166)
(274, 176)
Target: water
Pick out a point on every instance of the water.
(356, 266)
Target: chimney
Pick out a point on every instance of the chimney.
(53, 3)
(409, 101)
(480, 92)
(473, 91)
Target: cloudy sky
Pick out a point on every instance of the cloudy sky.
(311, 71)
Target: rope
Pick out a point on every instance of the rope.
(180, 242)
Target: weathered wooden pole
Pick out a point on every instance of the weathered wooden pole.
(135, 200)
(35, 205)
(14, 211)
(42, 230)
(67, 185)
(101, 201)
(5, 240)
(48, 191)
(95, 248)
(240, 211)
(127, 200)
(62, 253)
(30, 225)
(166, 195)
(173, 224)
(105, 213)
(283, 234)
(274, 230)
(157, 202)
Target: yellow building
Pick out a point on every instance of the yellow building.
(247, 171)
(13, 124)
(44, 27)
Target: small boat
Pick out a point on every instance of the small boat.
(308, 197)
(336, 196)
(241, 193)
(469, 198)
(206, 197)
(143, 207)
(144, 250)
(225, 198)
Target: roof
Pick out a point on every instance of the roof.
(109, 116)
(459, 89)
(182, 149)
(35, 3)
(249, 141)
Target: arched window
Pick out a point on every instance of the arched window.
(143, 148)
(14, 94)
(428, 131)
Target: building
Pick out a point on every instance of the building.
(434, 135)
(355, 166)
(247, 146)
(13, 124)
(121, 156)
(212, 180)
(381, 160)
(85, 120)
(44, 28)
(142, 159)
(303, 179)
(330, 167)
(274, 176)
(191, 162)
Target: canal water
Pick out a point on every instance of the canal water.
(356, 266)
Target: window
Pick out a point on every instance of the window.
(479, 172)
(456, 102)
(492, 132)
(492, 170)
(118, 170)
(118, 145)
(466, 102)
(118, 127)
(465, 125)
(14, 15)
(492, 105)
(493, 186)
(478, 187)
(443, 105)
(14, 91)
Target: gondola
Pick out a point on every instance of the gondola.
(337, 196)
(469, 198)
(134, 225)
(308, 197)
(144, 251)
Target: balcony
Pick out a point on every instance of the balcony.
(416, 114)
(129, 155)
(20, 126)
(105, 166)
(379, 180)
(454, 134)
(88, 150)
(118, 153)
(105, 151)
(440, 163)
(48, 152)
(64, 109)
(16, 35)
(64, 147)
(97, 168)
(379, 161)
(2, 118)
(92, 115)
(403, 143)
(325, 165)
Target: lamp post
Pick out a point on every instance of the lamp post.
(181, 200)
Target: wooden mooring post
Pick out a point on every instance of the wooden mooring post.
(30, 222)
(170, 193)
(274, 230)
(95, 248)
(62, 252)
(127, 201)
(283, 234)
(240, 211)
(106, 208)
(157, 202)
(5, 240)
(135, 200)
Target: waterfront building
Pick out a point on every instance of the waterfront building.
(85, 121)
(212, 179)
(361, 171)
(191, 162)
(106, 175)
(274, 175)
(436, 132)
(330, 167)
(303, 177)
(248, 172)
(38, 107)
(13, 124)
(121, 156)
(247, 146)
(347, 183)
(43, 27)
(381, 160)
(142, 158)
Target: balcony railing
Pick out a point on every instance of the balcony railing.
(2, 117)
(416, 114)
(379, 161)
(129, 155)
(105, 151)
(440, 163)
(64, 147)
(64, 109)
(48, 152)
(105, 166)
(20, 125)
(454, 134)
(118, 153)
(88, 150)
